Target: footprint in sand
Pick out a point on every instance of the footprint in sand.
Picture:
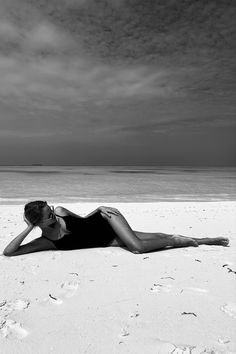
(124, 332)
(12, 329)
(165, 347)
(223, 340)
(68, 289)
(198, 290)
(158, 288)
(191, 350)
(18, 304)
(134, 314)
(54, 300)
(229, 309)
(3, 303)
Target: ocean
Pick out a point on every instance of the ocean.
(71, 184)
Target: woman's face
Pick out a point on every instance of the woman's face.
(49, 217)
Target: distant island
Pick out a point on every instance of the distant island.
(36, 164)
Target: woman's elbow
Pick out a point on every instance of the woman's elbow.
(7, 253)
(137, 249)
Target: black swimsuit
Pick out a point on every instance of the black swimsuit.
(90, 232)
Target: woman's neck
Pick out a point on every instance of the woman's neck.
(51, 229)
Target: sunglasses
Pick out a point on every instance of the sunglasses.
(51, 214)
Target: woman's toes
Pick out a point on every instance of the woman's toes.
(219, 241)
(225, 242)
(222, 241)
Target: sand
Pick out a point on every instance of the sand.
(108, 300)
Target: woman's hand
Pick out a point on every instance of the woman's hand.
(108, 211)
(27, 221)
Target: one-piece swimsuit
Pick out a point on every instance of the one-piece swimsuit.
(93, 231)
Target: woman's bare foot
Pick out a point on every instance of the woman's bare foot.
(217, 241)
(182, 241)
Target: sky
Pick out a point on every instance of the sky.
(118, 82)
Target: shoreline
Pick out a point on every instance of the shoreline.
(74, 200)
(110, 300)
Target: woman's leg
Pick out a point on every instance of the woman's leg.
(140, 242)
(217, 241)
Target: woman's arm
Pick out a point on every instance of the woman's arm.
(14, 244)
(14, 248)
(107, 211)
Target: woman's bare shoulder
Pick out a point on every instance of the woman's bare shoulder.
(61, 211)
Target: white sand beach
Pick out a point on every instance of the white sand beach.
(108, 300)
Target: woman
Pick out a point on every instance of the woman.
(105, 226)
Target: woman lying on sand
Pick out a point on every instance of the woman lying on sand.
(105, 226)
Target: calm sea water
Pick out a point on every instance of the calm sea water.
(19, 184)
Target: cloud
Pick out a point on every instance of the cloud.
(131, 31)
(75, 81)
(175, 125)
(8, 31)
(145, 30)
(76, 63)
(45, 36)
(53, 56)
(10, 133)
